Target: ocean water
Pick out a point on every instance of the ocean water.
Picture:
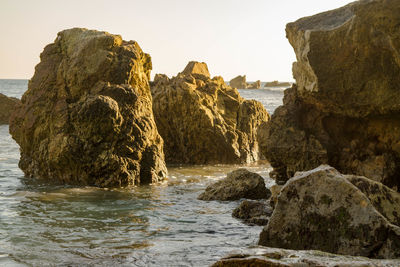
(42, 224)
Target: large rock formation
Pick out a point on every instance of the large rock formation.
(87, 115)
(7, 107)
(238, 82)
(345, 109)
(347, 215)
(255, 85)
(277, 84)
(202, 120)
(277, 257)
(238, 184)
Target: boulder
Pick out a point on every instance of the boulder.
(204, 121)
(276, 257)
(87, 117)
(239, 82)
(7, 107)
(238, 184)
(253, 212)
(322, 209)
(345, 106)
(255, 85)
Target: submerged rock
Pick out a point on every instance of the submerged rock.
(275, 257)
(345, 107)
(7, 107)
(322, 209)
(238, 184)
(255, 85)
(87, 115)
(253, 212)
(238, 82)
(203, 121)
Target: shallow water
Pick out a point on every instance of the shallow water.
(44, 224)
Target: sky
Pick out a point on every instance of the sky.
(234, 37)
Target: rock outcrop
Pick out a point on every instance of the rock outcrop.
(87, 115)
(255, 85)
(203, 121)
(238, 184)
(253, 212)
(238, 82)
(7, 107)
(345, 109)
(276, 257)
(277, 84)
(348, 215)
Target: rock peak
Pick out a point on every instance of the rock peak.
(197, 69)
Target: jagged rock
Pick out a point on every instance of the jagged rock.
(203, 120)
(277, 84)
(276, 257)
(87, 115)
(322, 209)
(238, 184)
(7, 107)
(239, 82)
(255, 85)
(346, 106)
(253, 212)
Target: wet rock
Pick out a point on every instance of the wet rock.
(238, 184)
(337, 218)
(87, 115)
(255, 85)
(346, 106)
(7, 107)
(204, 121)
(275, 257)
(253, 212)
(239, 82)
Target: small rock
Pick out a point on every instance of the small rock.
(253, 212)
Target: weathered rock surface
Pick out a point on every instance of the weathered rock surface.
(275, 257)
(7, 107)
(238, 184)
(255, 85)
(277, 84)
(345, 214)
(87, 115)
(238, 82)
(203, 121)
(345, 109)
(253, 212)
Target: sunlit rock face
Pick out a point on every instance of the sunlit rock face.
(87, 115)
(324, 210)
(345, 108)
(202, 120)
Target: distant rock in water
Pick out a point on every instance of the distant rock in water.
(324, 210)
(345, 109)
(202, 120)
(238, 184)
(238, 82)
(255, 85)
(277, 84)
(7, 107)
(87, 115)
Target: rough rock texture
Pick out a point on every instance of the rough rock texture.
(239, 82)
(253, 212)
(346, 105)
(338, 217)
(255, 85)
(275, 257)
(7, 107)
(87, 115)
(238, 184)
(203, 121)
(277, 84)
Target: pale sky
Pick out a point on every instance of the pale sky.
(232, 36)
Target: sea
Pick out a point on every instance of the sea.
(43, 224)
